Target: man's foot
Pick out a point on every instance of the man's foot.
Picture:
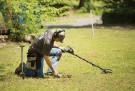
(49, 73)
(18, 70)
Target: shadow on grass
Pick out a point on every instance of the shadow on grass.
(102, 26)
(67, 26)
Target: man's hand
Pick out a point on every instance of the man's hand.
(58, 76)
(63, 49)
(69, 50)
(55, 74)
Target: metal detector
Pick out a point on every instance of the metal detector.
(22, 75)
(71, 51)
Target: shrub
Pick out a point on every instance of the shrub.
(25, 16)
(119, 17)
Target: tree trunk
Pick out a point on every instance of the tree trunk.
(81, 3)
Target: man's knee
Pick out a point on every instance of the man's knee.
(59, 52)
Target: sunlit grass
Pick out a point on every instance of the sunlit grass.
(109, 48)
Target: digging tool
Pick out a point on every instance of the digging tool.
(22, 75)
(71, 51)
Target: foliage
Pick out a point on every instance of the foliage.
(19, 17)
(119, 11)
(56, 7)
(94, 5)
(119, 4)
(25, 16)
(115, 17)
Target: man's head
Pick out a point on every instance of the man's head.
(59, 35)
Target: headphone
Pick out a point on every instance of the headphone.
(56, 33)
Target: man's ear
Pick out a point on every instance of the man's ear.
(56, 33)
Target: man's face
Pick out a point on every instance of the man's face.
(60, 39)
(57, 39)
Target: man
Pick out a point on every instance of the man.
(41, 49)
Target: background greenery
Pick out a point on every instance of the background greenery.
(109, 48)
(23, 17)
(119, 11)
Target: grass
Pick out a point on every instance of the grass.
(109, 48)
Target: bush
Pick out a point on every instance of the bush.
(96, 7)
(125, 16)
(24, 17)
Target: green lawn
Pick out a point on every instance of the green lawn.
(109, 48)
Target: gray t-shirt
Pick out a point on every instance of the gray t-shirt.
(44, 43)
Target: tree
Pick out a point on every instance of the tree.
(25, 16)
(119, 4)
(81, 3)
(119, 11)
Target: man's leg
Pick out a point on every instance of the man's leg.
(40, 68)
(39, 72)
(56, 53)
(18, 70)
(29, 72)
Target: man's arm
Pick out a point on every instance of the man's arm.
(51, 67)
(50, 64)
(55, 46)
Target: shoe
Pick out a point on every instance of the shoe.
(18, 70)
(49, 74)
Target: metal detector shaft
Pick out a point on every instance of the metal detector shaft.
(103, 70)
(87, 61)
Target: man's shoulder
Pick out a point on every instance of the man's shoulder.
(50, 31)
(48, 35)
